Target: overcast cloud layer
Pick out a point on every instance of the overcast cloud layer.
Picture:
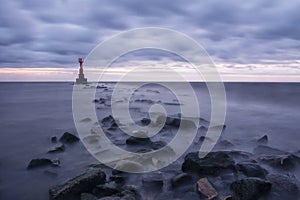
(262, 34)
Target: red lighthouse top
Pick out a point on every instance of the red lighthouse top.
(80, 60)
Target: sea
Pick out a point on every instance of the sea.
(33, 112)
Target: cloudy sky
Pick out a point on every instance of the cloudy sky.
(258, 40)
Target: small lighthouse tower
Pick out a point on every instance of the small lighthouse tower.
(81, 79)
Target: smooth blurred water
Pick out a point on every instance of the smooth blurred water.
(30, 113)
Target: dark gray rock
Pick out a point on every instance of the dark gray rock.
(250, 188)
(88, 196)
(42, 162)
(284, 185)
(107, 189)
(138, 141)
(83, 183)
(117, 179)
(211, 164)
(153, 179)
(252, 169)
(57, 149)
(145, 121)
(181, 179)
(53, 139)
(158, 145)
(263, 139)
(68, 138)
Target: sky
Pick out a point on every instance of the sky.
(258, 40)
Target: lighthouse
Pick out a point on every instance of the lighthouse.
(81, 79)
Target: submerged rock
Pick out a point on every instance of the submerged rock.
(281, 161)
(80, 184)
(252, 169)
(263, 139)
(250, 188)
(181, 179)
(53, 139)
(138, 141)
(68, 138)
(126, 165)
(57, 149)
(284, 185)
(145, 121)
(41, 162)
(211, 164)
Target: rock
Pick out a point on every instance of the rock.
(138, 141)
(68, 138)
(252, 169)
(228, 197)
(107, 189)
(177, 122)
(130, 192)
(165, 195)
(117, 179)
(110, 198)
(80, 184)
(87, 119)
(181, 179)
(281, 161)
(263, 139)
(205, 188)
(146, 121)
(158, 145)
(250, 188)
(225, 143)
(53, 139)
(211, 164)
(57, 149)
(153, 179)
(129, 166)
(284, 185)
(88, 196)
(41, 162)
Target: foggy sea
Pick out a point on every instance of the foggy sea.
(31, 113)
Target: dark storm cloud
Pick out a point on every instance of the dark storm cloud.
(57, 32)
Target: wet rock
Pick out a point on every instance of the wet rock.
(108, 119)
(281, 161)
(158, 145)
(117, 179)
(88, 196)
(146, 121)
(111, 198)
(284, 185)
(181, 179)
(177, 122)
(205, 188)
(41, 162)
(53, 139)
(250, 188)
(107, 189)
(155, 179)
(228, 197)
(263, 139)
(165, 195)
(138, 141)
(130, 192)
(68, 138)
(211, 164)
(57, 149)
(80, 184)
(252, 169)
(87, 119)
(225, 143)
(127, 166)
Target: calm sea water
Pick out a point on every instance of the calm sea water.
(30, 113)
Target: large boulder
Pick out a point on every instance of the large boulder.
(83, 183)
(211, 164)
(68, 138)
(250, 188)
